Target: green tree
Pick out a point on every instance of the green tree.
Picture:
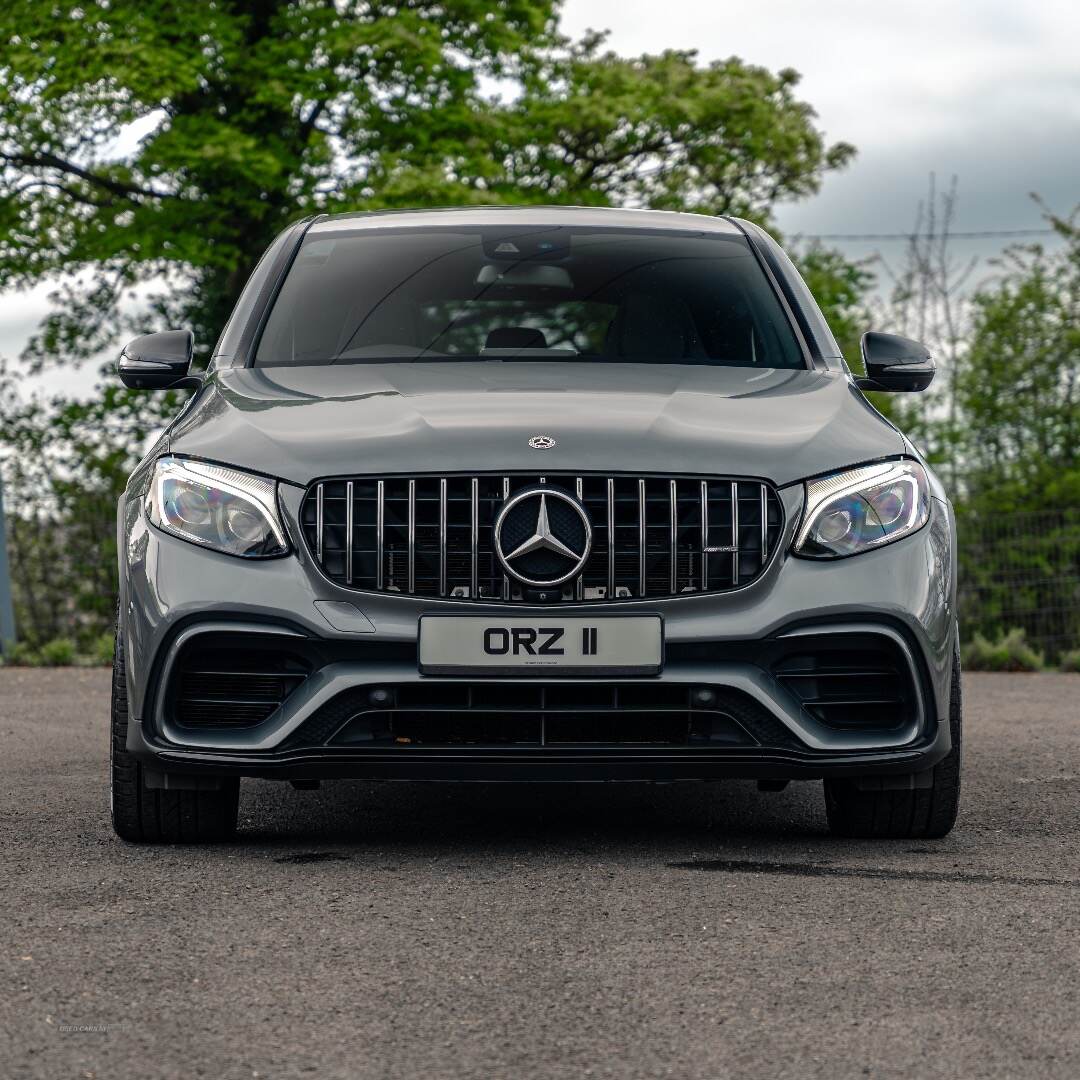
(1018, 384)
(664, 132)
(150, 150)
(65, 463)
(255, 112)
(1018, 404)
(842, 289)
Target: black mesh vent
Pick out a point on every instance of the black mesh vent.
(231, 687)
(862, 684)
(493, 714)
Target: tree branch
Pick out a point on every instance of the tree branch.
(64, 189)
(46, 160)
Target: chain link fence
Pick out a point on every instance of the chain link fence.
(1021, 569)
(62, 564)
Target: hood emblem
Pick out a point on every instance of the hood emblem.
(543, 536)
(541, 442)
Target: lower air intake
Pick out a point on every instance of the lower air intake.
(861, 683)
(222, 687)
(495, 714)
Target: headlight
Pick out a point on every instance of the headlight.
(863, 508)
(220, 508)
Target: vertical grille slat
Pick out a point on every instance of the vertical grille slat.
(433, 535)
(380, 532)
(763, 509)
(704, 534)
(505, 579)
(349, 510)
(442, 536)
(735, 530)
(642, 539)
(474, 537)
(674, 500)
(579, 585)
(610, 538)
(412, 536)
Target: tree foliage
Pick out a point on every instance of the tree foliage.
(150, 151)
(255, 112)
(841, 288)
(65, 463)
(1018, 384)
(664, 132)
(1018, 446)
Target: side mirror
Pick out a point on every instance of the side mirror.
(895, 364)
(159, 362)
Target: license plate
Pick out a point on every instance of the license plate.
(470, 645)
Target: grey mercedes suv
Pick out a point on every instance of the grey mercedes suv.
(532, 494)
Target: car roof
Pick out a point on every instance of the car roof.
(513, 216)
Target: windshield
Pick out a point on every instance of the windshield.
(527, 294)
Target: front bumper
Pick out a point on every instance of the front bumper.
(172, 593)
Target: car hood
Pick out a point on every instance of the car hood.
(300, 423)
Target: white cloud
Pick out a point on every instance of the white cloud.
(989, 90)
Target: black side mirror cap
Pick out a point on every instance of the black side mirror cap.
(895, 364)
(159, 361)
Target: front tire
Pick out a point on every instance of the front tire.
(923, 813)
(145, 815)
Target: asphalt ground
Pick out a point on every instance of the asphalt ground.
(513, 931)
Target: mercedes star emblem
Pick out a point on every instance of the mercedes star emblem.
(541, 442)
(548, 534)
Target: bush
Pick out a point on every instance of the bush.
(19, 654)
(1070, 661)
(100, 653)
(1010, 652)
(60, 652)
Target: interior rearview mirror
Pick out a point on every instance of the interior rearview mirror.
(895, 364)
(159, 361)
(525, 275)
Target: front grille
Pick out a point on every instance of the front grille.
(433, 536)
(232, 688)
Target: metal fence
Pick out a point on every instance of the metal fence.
(62, 568)
(1021, 570)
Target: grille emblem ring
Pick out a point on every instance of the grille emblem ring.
(567, 543)
(541, 442)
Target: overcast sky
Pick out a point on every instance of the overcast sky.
(986, 89)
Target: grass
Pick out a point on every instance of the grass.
(1010, 652)
(59, 652)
